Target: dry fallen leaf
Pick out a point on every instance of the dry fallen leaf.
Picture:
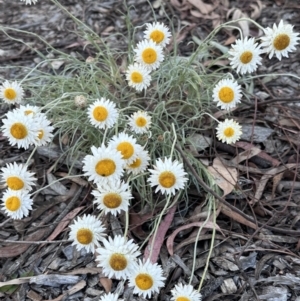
(225, 177)
(106, 283)
(160, 236)
(170, 240)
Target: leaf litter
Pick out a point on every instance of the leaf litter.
(257, 252)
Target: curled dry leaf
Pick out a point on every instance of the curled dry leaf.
(236, 14)
(204, 8)
(106, 283)
(257, 8)
(225, 177)
(170, 240)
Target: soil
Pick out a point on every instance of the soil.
(256, 253)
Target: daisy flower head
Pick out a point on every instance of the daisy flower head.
(138, 76)
(11, 92)
(140, 164)
(245, 55)
(279, 40)
(21, 130)
(126, 145)
(16, 203)
(227, 93)
(86, 232)
(28, 110)
(168, 176)
(105, 164)
(112, 197)
(30, 1)
(185, 293)
(140, 122)
(110, 297)
(146, 278)
(149, 54)
(17, 177)
(103, 113)
(45, 130)
(229, 131)
(158, 33)
(118, 257)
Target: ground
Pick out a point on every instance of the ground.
(256, 253)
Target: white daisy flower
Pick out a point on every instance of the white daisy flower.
(279, 40)
(146, 278)
(112, 197)
(185, 292)
(45, 130)
(86, 232)
(126, 145)
(11, 92)
(168, 176)
(16, 203)
(21, 130)
(17, 177)
(245, 55)
(138, 76)
(106, 164)
(110, 297)
(227, 93)
(103, 113)
(149, 54)
(30, 1)
(140, 122)
(118, 257)
(158, 33)
(140, 164)
(229, 131)
(28, 110)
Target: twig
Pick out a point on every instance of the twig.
(33, 242)
(233, 208)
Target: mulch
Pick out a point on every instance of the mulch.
(256, 253)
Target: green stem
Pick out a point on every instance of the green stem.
(211, 246)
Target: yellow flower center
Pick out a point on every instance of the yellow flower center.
(100, 113)
(226, 94)
(229, 132)
(149, 56)
(84, 236)
(246, 57)
(15, 183)
(41, 134)
(157, 36)
(141, 121)
(166, 179)
(18, 130)
(136, 163)
(118, 262)
(181, 298)
(126, 149)
(27, 112)
(112, 200)
(144, 281)
(105, 167)
(13, 203)
(281, 41)
(10, 93)
(136, 77)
